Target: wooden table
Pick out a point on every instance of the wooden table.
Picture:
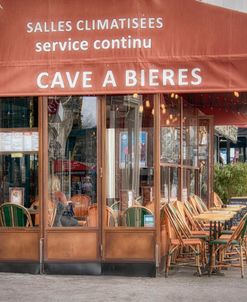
(215, 218)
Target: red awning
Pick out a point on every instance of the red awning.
(109, 46)
(73, 166)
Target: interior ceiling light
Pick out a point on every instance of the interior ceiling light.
(147, 103)
(236, 94)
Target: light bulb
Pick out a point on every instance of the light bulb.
(152, 111)
(164, 110)
(172, 95)
(141, 108)
(167, 122)
(147, 103)
(236, 93)
(135, 95)
(176, 96)
(171, 116)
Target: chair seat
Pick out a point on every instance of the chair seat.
(192, 241)
(226, 232)
(223, 241)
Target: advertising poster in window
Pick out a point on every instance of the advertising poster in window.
(124, 155)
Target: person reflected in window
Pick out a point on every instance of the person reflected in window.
(64, 214)
(87, 186)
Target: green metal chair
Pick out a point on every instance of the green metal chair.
(14, 215)
(134, 216)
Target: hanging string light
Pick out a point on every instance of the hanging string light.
(141, 108)
(167, 122)
(236, 94)
(135, 95)
(176, 96)
(147, 103)
(172, 95)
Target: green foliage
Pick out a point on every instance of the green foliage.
(230, 180)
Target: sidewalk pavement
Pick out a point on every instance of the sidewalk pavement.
(179, 287)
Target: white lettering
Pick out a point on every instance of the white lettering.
(196, 76)
(109, 79)
(57, 80)
(29, 27)
(73, 82)
(86, 78)
(130, 78)
(182, 76)
(153, 77)
(168, 76)
(40, 78)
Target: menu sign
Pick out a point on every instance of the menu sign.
(19, 141)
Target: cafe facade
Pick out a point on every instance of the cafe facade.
(112, 106)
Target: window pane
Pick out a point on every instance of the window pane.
(170, 130)
(21, 112)
(19, 199)
(129, 158)
(204, 157)
(189, 135)
(73, 162)
(169, 184)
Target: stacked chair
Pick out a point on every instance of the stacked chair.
(187, 246)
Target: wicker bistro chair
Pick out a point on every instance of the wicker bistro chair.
(92, 220)
(134, 216)
(197, 204)
(80, 204)
(217, 202)
(183, 240)
(14, 215)
(230, 249)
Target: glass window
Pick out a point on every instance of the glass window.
(72, 162)
(189, 136)
(170, 130)
(169, 184)
(19, 198)
(129, 159)
(19, 112)
(189, 183)
(204, 157)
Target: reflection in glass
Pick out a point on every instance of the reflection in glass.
(204, 157)
(129, 159)
(169, 184)
(19, 162)
(72, 161)
(189, 135)
(20, 112)
(170, 130)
